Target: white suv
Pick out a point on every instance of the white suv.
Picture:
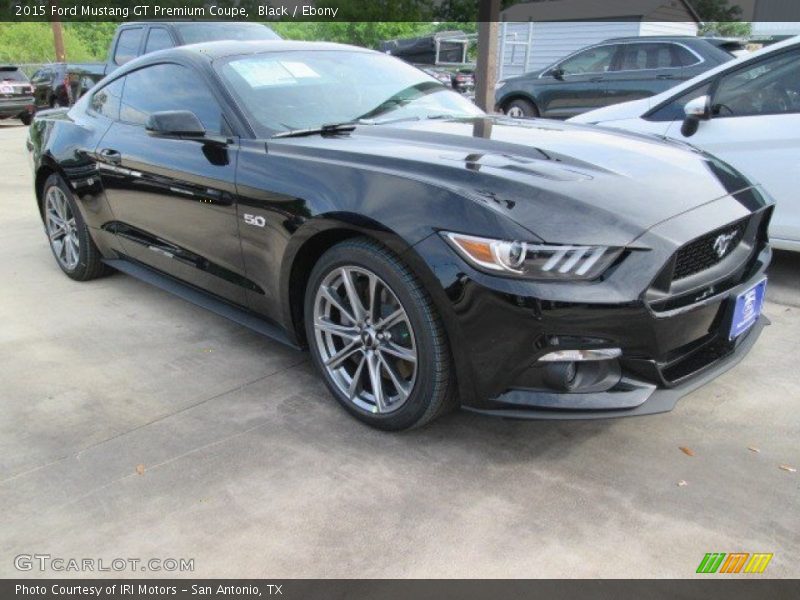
(746, 112)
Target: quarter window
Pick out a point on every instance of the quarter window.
(684, 56)
(593, 60)
(168, 87)
(128, 45)
(106, 100)
(673, 111)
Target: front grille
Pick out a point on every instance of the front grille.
(706, 355)
(704, 252)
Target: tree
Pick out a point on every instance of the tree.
(33, 43)
(717, 10)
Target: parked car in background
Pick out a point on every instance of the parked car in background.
(134, 38)
(747, 113)
(16, 95)
(614, 71)
(427, 253)
(463, 80)
(61, 84)
(440, 74)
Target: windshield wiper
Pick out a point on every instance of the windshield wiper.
(329, 129)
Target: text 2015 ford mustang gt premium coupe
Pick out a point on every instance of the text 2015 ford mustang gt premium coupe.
(429, 255)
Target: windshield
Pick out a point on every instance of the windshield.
(12, 74)
(195, 33)
(305, 89)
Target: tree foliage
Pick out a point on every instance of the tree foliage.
(33, 43)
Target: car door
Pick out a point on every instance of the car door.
(643, 69)
(754, 127)
(174, 199)
(577, 84)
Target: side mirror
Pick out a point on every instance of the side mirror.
(175, 123)
(557, 72)
(696, 110)
(183, 125)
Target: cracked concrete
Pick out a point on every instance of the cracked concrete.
(250, 468)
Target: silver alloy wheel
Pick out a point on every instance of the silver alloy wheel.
(61, 228)
(365, 339)
(515, 112)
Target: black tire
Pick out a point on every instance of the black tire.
(527, 108)
(89, 264)
(433, 393)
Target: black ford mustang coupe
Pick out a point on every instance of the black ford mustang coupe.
(429, 255)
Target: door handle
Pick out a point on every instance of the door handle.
(110, 156)
(596, 79)
(665, 77)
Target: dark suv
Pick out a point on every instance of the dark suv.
(613, 71)
(16, 95)
(61, 84)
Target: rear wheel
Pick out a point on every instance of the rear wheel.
(70, 240)
(375, 336)
(521, 108)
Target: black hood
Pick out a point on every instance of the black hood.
(552, 178)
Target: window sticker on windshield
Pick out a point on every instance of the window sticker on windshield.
(299, 69)
(262, 73)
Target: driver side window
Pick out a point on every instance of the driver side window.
(169, 87)
(593, 60)
(769, 87)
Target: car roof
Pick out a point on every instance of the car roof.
(670, 38)
(222, 49)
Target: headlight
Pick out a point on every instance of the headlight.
(499, 84)
(534, 261)
(6, 89)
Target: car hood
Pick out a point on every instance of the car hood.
(564, 183)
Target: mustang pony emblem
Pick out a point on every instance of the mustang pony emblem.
(723, 242)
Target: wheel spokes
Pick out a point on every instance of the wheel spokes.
(342, 355)
(399, 386)
(401, 352)
(352, 295)
(330, 297)
(342, 331)
(353, 388)
(357, 350)
(374, 367)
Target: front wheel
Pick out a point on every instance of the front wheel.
(376, 337)
(520, 109)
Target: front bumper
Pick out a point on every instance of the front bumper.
(632, 397)
(672, 341)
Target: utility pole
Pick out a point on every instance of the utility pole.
(58, 36)
(486, 69)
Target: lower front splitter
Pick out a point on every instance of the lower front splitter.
(638, 398)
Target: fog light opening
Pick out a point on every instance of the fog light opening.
(562, 375)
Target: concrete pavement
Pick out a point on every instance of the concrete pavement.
(136, 425)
